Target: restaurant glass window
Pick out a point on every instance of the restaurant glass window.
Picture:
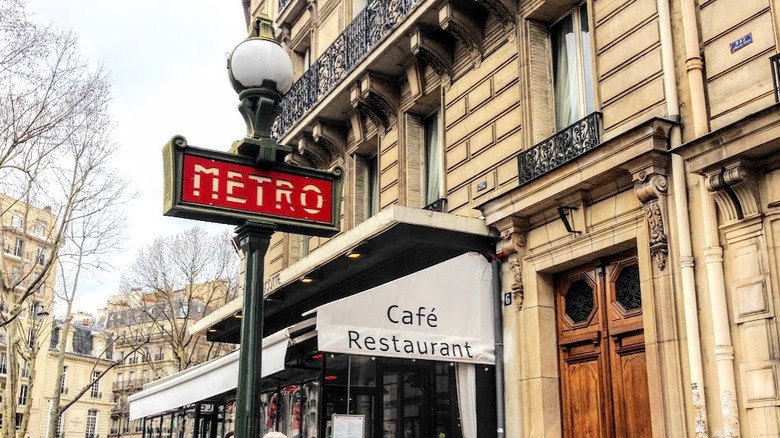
(350, 388)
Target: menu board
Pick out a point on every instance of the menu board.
(348, 426)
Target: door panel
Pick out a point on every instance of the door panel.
(602, 351)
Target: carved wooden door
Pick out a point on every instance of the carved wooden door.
(602, 350)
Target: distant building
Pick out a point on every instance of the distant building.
(153, 341)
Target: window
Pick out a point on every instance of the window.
(306, 58)
(95, 391)
(572, 68)
(26, 370)
(64, 385)
(91, 431)
(35, 308)
(18, 420)
(58, 433)
(22, 395)
(17, 220)
(40, 258)
(372, 166)
(40, 228)
(3, 363)
(30, 338)
(433, 162)
(19, 247)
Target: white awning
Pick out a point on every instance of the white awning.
(440, 313)
(205, 380)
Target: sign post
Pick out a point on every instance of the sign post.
(260, 198)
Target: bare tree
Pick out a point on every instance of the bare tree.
(56, 178)
(172, 283)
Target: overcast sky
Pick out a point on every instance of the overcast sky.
(166, 61)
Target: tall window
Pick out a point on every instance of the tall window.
(3, 363)
(30, 338)
(26, 369)
(19, 247)
(40, 257)
(433, 159)
(58, 433)
(40, 228)
(17, 220)
(22, 395)
(64, 385)
(572, 68)
(91, 431)
(95, 390)
(372, 165)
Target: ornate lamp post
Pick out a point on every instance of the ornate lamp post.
(261, 72)
(253, 188)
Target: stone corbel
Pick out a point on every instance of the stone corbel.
(735, 190)
(416, 78)
(312, 153)
(651, 189)
(376, 98)
(295, 158)
(514, 232)
(466, 21)
(506, 12)
(331, 139)
(432, 48)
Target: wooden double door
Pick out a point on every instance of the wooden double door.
(601, 349)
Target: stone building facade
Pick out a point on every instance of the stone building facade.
(624, 155)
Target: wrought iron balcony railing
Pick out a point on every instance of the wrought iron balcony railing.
(559, 149)
(283, 4)
(775, 62)
(437, 205)
(368, 28)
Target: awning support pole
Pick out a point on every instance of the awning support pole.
(254, 239)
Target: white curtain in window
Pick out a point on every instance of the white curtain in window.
(466, 382)
(565, 88)
(432, 159)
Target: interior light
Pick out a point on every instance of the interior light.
(238, 316)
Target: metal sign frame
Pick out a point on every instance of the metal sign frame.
(174, 153)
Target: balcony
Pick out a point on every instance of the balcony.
(377, 20)
(564, 146)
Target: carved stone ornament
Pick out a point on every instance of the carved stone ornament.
(517, 284)
(651, 190)
(465, 20)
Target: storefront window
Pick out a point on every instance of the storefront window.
(311, 397)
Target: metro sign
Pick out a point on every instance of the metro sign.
(222, 187)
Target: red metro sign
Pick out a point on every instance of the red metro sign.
(222, 187)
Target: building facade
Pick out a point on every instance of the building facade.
(152, 341)
(623, 157)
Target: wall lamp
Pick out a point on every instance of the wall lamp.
(359, 251)
(311, 277)
(563, 213)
